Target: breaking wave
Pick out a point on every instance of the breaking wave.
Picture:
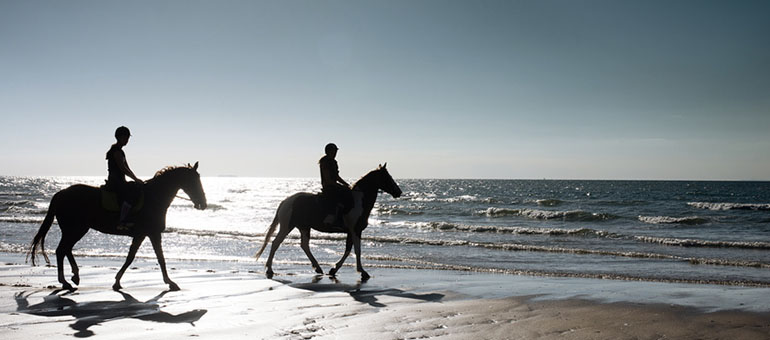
(571, 215)
(587, 232)
(689, 220)
(729, 206)
(703, 243)
(577, 251)
(549, 202)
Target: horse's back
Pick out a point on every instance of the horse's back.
(81, 190)
(76, 198)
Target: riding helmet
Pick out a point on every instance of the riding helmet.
(122, 132)
(330, 147)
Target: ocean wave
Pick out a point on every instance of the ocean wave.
(15, 206)
(21, 219)
(397, 211)
(213, 233)
(729, 206)
(586, 232)
(500, 212)
(570, 216)
(14, 203)
(576, 251)
(456, 199)
(549, 202)
(703, 243)
(689, 220)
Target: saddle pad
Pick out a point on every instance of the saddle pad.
(110, 202)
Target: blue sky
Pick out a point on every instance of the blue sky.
(438, 89)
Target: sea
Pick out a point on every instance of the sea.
(700, 232)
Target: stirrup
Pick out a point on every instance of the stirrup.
(125, 226)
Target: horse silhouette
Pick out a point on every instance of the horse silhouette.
(305, 211)
(93, 313)
(79, 207)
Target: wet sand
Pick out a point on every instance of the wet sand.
(230, 301)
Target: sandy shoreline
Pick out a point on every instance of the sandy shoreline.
(230, 301)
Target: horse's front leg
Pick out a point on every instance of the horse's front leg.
(357, 247)
(157, 245)
(135, 243)
(348, 247)
(355, 234)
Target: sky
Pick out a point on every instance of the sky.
(436, 88)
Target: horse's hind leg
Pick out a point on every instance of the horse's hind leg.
(75, 270)
(68, 239)
(282, 233)
(61, 252)
(305, 244)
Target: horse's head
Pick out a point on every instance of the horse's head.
(191, 185)
(386, 183)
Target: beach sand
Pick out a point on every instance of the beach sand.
(236, 301)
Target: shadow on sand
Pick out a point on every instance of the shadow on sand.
(361, 293)
(92, 313)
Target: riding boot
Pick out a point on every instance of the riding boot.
(125, 209)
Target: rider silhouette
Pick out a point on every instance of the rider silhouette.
(118, 169)
(336, 191)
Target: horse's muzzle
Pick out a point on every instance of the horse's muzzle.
(200, 206)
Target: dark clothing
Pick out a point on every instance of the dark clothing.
(116, 179)
(114, 174)
(330, 171)
(333, 192)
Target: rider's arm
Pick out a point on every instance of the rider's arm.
(126, 170)
(339, 179)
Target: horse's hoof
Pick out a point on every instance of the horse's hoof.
(365, 276)
(269, 274)
(318, 270)
(67, 286)
(116, 287)
(173, 287)
(333, 272)
(76, 279)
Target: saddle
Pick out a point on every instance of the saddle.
(111, 203)
(341, 206)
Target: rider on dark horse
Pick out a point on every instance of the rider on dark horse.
(335, 191)
(117, 167)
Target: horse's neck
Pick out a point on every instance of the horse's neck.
(164, 188)
(370, 191)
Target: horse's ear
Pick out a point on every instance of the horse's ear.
(385, 165)
(195, 167)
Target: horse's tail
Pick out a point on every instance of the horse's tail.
(40, 236)
(276, 220)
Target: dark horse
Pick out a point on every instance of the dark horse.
(305, 211)
(79, 207)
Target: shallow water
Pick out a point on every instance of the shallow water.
(701, 232)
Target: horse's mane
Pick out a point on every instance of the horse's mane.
(366, 177)
(170, 168)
